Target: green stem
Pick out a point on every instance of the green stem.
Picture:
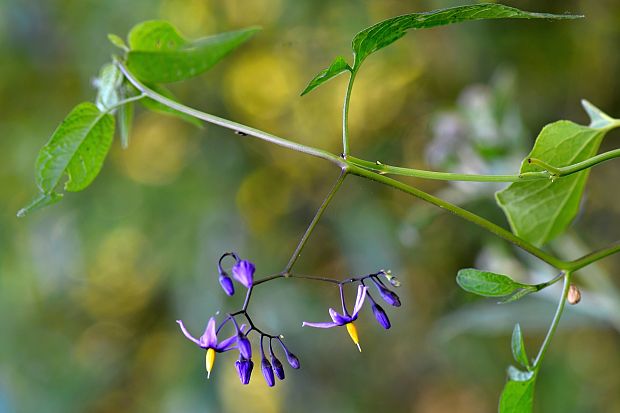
(360, 167)
(345, 114)
(319, 153)
(315, 221)
(124, 102)
(554, 323)
(588, 163)
(593, 257)
(444, 176)
(463, 213)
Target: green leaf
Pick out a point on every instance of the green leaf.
(39, 202)
(388, 31)
(108, 84)
(338, 66)
(117, 41)
(540, 210)
(518, 395)
(163, 109)
(518, 347)
(488, 284)
(159, 54)
(78, 148)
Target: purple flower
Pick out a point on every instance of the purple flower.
(380, 315)
(227, 284)
(244, 369)
(208, 341)
(267, 372)
(345, 319)
(290, 357)
(243, 271)
(388, 295)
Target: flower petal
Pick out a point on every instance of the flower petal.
(359, 301)
(227, 344)
(209, 338)
(319, 325)
(187, 334)
(337, 318)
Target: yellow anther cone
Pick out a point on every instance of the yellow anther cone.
(210, 359)
(353, 333)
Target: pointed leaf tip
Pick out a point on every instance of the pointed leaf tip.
(338, 66)
(598, 118)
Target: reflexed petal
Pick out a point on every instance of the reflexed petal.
(209, 338)
(359, 301)
(187, 334)
(319, 325)
(245, 347)
(227, 344)
(337, 318)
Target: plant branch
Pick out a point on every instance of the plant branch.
(463, 213)
(319, 153)
(345, 115)
(554, 323)
(315, 220)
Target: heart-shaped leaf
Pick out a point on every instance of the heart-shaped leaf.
(77, 148)
(540, 210)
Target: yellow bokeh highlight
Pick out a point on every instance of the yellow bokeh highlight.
(194, 18)
(158, 150)
(248, 13)
(253, 397)
(120, 281)
(261, 86)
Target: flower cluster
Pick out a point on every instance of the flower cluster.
(345, 319)
(271, 367)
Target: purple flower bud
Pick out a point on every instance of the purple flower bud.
(244, 369)
(243, 271)
(277, 367)
(388, 296)
(292, 360)
(268, 372)
(380, 315)
(244, 345)
(227, 284)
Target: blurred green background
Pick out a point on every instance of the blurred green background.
(90, 289)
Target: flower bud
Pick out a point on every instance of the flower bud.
(227, 284)
(277, 367)
(268, 372)
(574, 295)
(388, 296)
(244, 369)
(244, 345)
(380, 315)
(292, 360)
(243, 271)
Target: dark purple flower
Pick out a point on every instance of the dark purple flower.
(208, 341)
(388, 295)
(244, 369)
(243, 271)
(278, 368)
(345, 319)
(290, 357)
(268, 372)
(380, 315)
(227, 284)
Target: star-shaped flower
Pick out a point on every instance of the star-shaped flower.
(209, 342)
(345, 319)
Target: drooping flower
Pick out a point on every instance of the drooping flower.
(243, 271)
(227, 284)
(267, 372)
(208, 341)
(345, 319)
(388, 295)
(379, 313)
(292, 359)
(244, 369)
